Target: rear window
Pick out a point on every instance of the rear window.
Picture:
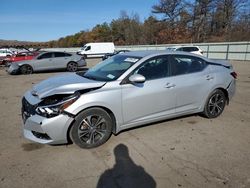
(59, 54)
(182, 64)
(188, 49)
(67, 55)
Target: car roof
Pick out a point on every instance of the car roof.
(182, 46)
(43, 52)
(152, 53)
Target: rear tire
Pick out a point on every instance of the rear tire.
(92, 128)
(26, 69)
(215, 104)
(72, 66)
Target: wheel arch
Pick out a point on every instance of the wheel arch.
(225, 93)
(26, 65)
(72, 61)
(114, 128)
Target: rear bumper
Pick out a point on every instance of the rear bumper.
(81, 63)
(231, 89)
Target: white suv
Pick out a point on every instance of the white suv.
(191, 49)
(5, 52)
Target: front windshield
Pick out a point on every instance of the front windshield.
(112, 68)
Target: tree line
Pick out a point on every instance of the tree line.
(172, 21)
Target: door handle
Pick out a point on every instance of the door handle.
(209, 77)
(169, 85)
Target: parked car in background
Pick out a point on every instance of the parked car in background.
(48, 61)
(23, 56)
(4, 52)
(97, 49)
(191, 49)
(108, 55)
(125, 91)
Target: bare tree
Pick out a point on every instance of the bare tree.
(227, 11)
(170, 8)
(201, 18)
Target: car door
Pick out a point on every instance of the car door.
(44, 61)
(152, 99)
(61, 59)
(192, 80)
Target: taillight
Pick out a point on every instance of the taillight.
(234, 74)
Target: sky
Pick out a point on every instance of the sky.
(44, 20)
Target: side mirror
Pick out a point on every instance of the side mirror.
(137, 78)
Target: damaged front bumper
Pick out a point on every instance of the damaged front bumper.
(42, 129)
(13, 68)
(47, 130)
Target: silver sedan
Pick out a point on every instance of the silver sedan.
(125, 91)
(48, 61)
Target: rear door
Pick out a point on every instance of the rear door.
(61, 59)
(193, 81)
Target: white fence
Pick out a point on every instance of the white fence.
(225, 50)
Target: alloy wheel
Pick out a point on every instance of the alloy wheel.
(26, 69)
(216, 104)
(72, 67)
(92, 129)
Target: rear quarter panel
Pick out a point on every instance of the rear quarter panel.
(222, 77)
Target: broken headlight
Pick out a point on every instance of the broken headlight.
(53, 106)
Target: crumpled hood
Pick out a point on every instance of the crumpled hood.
(63, 84)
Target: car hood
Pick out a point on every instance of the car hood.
(63, 84)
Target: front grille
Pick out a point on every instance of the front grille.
(28, 110)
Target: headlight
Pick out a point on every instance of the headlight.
(53, 110)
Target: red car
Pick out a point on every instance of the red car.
(23, 56)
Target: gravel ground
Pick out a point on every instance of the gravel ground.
(185, 152)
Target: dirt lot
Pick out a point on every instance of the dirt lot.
(185, 152)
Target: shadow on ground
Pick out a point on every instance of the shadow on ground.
(31, 146)
(125, 172)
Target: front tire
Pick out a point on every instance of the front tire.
(92, 128)
(26, 69)
(215, 104)
(72, 67)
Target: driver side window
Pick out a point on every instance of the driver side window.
(154, 68)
